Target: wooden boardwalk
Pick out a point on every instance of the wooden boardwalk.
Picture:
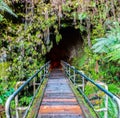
(59, 100)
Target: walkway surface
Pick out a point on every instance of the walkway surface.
(59, 100)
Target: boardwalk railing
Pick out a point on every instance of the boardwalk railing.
(18, 104)
(103, 102)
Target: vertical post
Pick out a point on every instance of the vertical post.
(16, 101)
(106, 104)
(37, 78)
(44, 71)
(34, 87)
(69, 71)
(7, 108)
(83, 83)
(40, 76)
(66, 69)
(16, 105)
(16, 98)
(106, 101)
(74, 76)
(47, 69)
(117, 100)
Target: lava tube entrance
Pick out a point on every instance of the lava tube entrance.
(67, 48)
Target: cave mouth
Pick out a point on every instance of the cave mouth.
(67, 48)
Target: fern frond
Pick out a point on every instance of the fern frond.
(115, 56)
(4, 7)
(110, 44)
(103, 45)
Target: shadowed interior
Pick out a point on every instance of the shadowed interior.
(67, 47)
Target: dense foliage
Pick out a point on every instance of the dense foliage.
(110, 44)
(101, 62)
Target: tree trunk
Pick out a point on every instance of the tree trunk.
(113, 9)
(88, 31)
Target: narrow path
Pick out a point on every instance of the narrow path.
(59, 100)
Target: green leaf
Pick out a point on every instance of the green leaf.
(1, 101)
(1, 17)
(58, 37)
(82, 28)
(82, 16)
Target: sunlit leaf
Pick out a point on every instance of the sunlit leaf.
(82, 16)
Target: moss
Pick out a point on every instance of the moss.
(37, 101)
(3, 69)
(89, 112)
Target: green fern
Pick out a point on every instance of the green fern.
(4, 7)
(1, 17)
(114, 55)
(82, 16)
(110, 44)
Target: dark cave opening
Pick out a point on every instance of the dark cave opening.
(67, 48)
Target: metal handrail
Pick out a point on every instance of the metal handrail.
(11, 97)
(112, 96)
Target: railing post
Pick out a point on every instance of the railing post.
(106, 104)
(7, 107)
(40, 76)
(64, 68)
(44, 71)
(16, 98)
(37, 77)
(34, 87)
(106, 101)
(83, 81)
(16, 105)
(118, 103)
(69, 70)
(47, 69)
(74, 75)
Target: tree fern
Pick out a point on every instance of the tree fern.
(4, 7)
(110, 44)
(103, 45)
(115, 53)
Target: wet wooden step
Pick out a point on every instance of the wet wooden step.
(56, 102)
(60, 116)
